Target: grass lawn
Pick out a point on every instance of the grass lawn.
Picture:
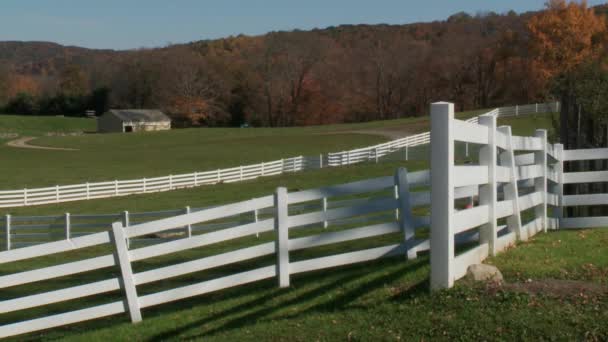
(26, 125)
(221, 193)
(381, 300)
(389, 300)
(119, 156)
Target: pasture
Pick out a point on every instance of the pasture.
(377, 300)
(102, 157)
(35, 126)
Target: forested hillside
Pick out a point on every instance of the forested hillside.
(332, 75)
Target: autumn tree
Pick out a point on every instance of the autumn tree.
(563, 37)
(73, 81)
(188, 88)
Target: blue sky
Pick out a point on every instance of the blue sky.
(128, 24)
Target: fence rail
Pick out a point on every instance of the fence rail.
(94, 190)
(516, 181)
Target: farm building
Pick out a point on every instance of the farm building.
(133, 120)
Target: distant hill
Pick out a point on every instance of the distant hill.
(337, 74)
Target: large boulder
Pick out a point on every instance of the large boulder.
(482, 272)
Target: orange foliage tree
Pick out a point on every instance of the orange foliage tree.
(564, 36)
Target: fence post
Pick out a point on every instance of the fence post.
(195, 178)
(536, 107)
(324, 203)
(7, 235)
(442, 195)
(25, 196)
(406, 221)
(188, 227)
(282, 236)
(516, 110)
(115, 187)
(559, 169)
(557, 106)
(540, 183)
(68, 226)
(256, 219)
(128, 283)
(376, 154)
(488, 192)
(218, 178)
(466, 149)
(126, 223)
(511, 192)
(170, 182)
(145, 185)
(56, 193)
(263, 169)
(407, 153)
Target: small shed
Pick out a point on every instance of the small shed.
(133, 120)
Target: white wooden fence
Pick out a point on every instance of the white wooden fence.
(516, 180)
(25, 231)
(522, 177)
(86, 191)
(282, 226)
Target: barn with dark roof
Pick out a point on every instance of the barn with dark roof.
(133, 120)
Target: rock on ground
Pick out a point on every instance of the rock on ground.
(482, 272)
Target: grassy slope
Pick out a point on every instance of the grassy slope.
(119, 156)
(41, 125)
(388, 300)
(226, 193)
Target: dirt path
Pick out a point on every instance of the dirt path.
(23, 143)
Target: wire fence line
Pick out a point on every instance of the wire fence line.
(94, 190)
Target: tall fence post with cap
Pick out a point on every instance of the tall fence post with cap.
(282, 236)
(442, 195)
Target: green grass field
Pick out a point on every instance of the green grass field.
(103, 157)
(381, 300)
(202, 196)
(42, 125)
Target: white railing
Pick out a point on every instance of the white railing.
(274, 239)
(523, 178)
(517, 179)
(93, 190)
(25, 231)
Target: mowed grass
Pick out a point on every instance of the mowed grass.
(103, 157)
(388, 300)
(226, 193)
(26, 125)
(381, 300)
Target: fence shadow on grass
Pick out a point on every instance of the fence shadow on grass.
(338, 303)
